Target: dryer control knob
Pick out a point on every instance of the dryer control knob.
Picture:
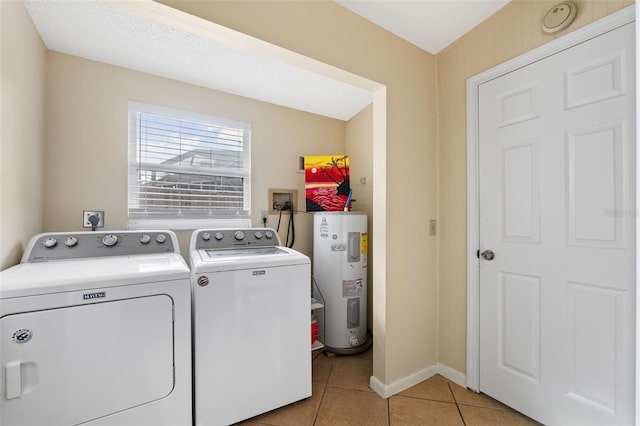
(71, 241)
(239, 235)
(145, 239)
(50, 242)
(110, 240)
(161, 238)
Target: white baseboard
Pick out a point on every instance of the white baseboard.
(454, 375)
(387, 390)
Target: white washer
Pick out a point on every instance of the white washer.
(95, 329)
(252, 324)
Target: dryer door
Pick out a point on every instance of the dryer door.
(74, 364)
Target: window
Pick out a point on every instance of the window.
(186, 169)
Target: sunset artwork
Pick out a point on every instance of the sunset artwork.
(326, 180)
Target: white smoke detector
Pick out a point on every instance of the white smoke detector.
(559, 17)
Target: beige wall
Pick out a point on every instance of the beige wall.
(86, 142)
(512, 31)
(325, 31)
(21, 138)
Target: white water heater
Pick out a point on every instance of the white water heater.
(340, 271)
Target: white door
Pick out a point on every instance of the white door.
(557, 209)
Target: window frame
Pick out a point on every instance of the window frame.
(176, 219)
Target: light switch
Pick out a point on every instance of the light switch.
(432, 227)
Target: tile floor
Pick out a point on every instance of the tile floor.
(341, 396)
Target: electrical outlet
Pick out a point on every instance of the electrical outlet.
(86, 214)
(264, 215)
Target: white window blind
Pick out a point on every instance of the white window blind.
(185, 168)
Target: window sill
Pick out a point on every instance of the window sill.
(188, 224)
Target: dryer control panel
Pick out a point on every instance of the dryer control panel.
(76, 245)
(221, 239)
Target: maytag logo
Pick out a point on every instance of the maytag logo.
(90, 296)
(259, 272)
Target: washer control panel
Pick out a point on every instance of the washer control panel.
(76, 245)
(220, 239)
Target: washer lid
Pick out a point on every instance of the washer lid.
(248, 252)
(208, 260)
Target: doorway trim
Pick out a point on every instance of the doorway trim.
(608, 23)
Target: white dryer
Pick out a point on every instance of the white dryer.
(95, 329)
(251, 324)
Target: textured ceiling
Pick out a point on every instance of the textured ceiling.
(146, 37)
(150, 37)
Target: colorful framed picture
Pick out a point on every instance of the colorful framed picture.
(326, 179)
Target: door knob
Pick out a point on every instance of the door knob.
(488, 255)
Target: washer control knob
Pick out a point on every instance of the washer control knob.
(110, 240)
(258, 235)
(206, 236)
(145, 239)
(161, 238)
(71, 241)
(50, 242)
(269, 235)
(218, 236)
(239, 235)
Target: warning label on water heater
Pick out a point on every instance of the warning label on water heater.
(364, 241)
(324, 228)
(352, 288)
